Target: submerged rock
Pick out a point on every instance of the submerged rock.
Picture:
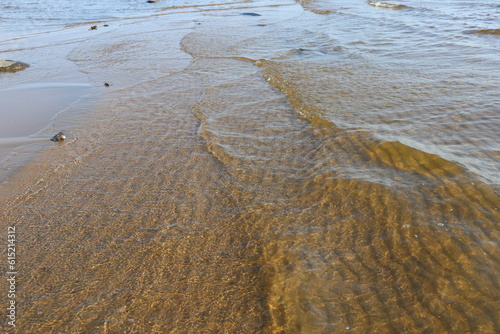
(11, 66)
(250, 14)
(58, 137)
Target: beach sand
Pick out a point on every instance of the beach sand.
(130, 225)
(195, 195)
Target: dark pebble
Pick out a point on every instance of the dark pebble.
(58, 137)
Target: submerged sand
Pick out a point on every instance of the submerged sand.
(195, 195)
(96, 257)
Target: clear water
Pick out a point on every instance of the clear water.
(26, 17)
(325, 167)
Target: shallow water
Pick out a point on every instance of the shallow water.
(18, 118)
(323, 167)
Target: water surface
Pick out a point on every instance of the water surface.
(325, 167)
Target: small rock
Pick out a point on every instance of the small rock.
(250, 14)
(106, 25)
(106, 84)
(93, 28)
(12, 66)
(58, 137)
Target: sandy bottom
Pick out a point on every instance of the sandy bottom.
(193, 196)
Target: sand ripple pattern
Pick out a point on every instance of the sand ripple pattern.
(252, 181)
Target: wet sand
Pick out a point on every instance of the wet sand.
(28, 109)
(35, 99)
(90, 258)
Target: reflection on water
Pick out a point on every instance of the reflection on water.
(276, 175)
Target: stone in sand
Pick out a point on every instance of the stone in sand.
(58, 137)
(250, 14)
(11, 66)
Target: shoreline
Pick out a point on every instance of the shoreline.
(41, 98)
(28, 109)
(31, 115)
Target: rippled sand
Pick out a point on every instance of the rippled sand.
(217, 187)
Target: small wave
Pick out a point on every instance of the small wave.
(386, 5)
(483, 32)
(20, 140)
(314, 6)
